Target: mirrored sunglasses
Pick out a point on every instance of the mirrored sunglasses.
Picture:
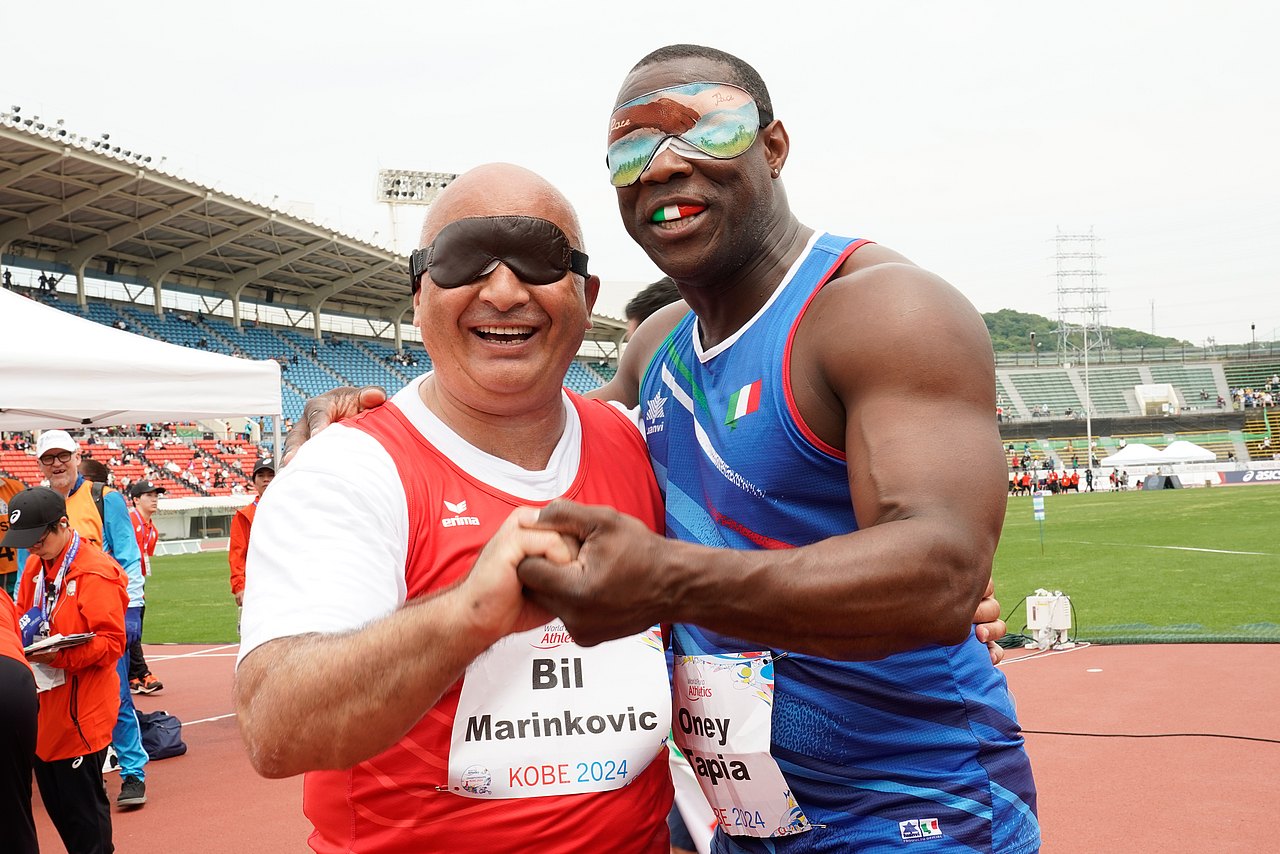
(719, 120)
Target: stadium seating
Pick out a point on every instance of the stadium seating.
(603, 370)
(21, 465)
(1111, 391)
(1250, 374)
(1260, 426)
(580, 378)
(1189, 380)
(175, 328)
(1052, 388)
(1033, 449)
(353, 365)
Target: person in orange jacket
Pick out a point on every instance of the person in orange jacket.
(242, 523)
(70, 587)
(18, 710)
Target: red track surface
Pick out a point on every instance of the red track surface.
(1168, 795)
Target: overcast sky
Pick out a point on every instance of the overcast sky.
(963, 135)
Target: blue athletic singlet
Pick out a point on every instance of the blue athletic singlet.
(919, 749)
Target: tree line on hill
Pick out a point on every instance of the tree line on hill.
(1011, 333)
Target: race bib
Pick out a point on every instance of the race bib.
(539, 715)
(724, 725)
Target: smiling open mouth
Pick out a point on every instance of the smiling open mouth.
(505, 334)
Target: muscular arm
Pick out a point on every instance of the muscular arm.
(376, 682)
(920, 368)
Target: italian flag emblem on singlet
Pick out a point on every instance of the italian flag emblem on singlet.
(744, 401)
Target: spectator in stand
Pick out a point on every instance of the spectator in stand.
(264, 471)
(146, 498)
(70, 587)
(100, 516)
(11, 560)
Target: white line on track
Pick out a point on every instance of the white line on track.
(1172, 548)
(211, 652)
(207, 720)
(1045, 654)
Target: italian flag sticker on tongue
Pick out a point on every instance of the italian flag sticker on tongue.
(744, 401)
(674, 212)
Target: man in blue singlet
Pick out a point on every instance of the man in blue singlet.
(822, 571)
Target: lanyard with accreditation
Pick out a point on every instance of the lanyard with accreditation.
(34, 624)
(539, 715)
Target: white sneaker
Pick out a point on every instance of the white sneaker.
(112, 762)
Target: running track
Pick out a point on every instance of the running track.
(1168, 795)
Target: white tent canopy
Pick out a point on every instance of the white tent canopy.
(59, 370)
(1135, 454)
(1183, 451)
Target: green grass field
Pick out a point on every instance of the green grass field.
(1099, 549)
(189, 600)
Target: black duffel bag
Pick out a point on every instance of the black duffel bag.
(161, 735)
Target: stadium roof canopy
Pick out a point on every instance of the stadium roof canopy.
(77, 206)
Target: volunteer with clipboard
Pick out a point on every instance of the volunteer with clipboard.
(70, 587)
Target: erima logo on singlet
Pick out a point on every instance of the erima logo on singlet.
(457, 519)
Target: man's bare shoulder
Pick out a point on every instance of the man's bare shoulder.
(889, 315)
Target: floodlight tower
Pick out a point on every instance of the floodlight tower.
(1082, 308)
(397, 187)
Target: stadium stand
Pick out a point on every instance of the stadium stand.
(384, 355)
(603, 370)
(581, 379)
(21, 465)
(1254, 375)
(1189, 381)
(1052, 388)
(1025, 446)
(1261, 433)
(1111, 390)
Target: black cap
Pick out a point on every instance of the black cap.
(264, 463)
(30, 513)
(142, 487)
